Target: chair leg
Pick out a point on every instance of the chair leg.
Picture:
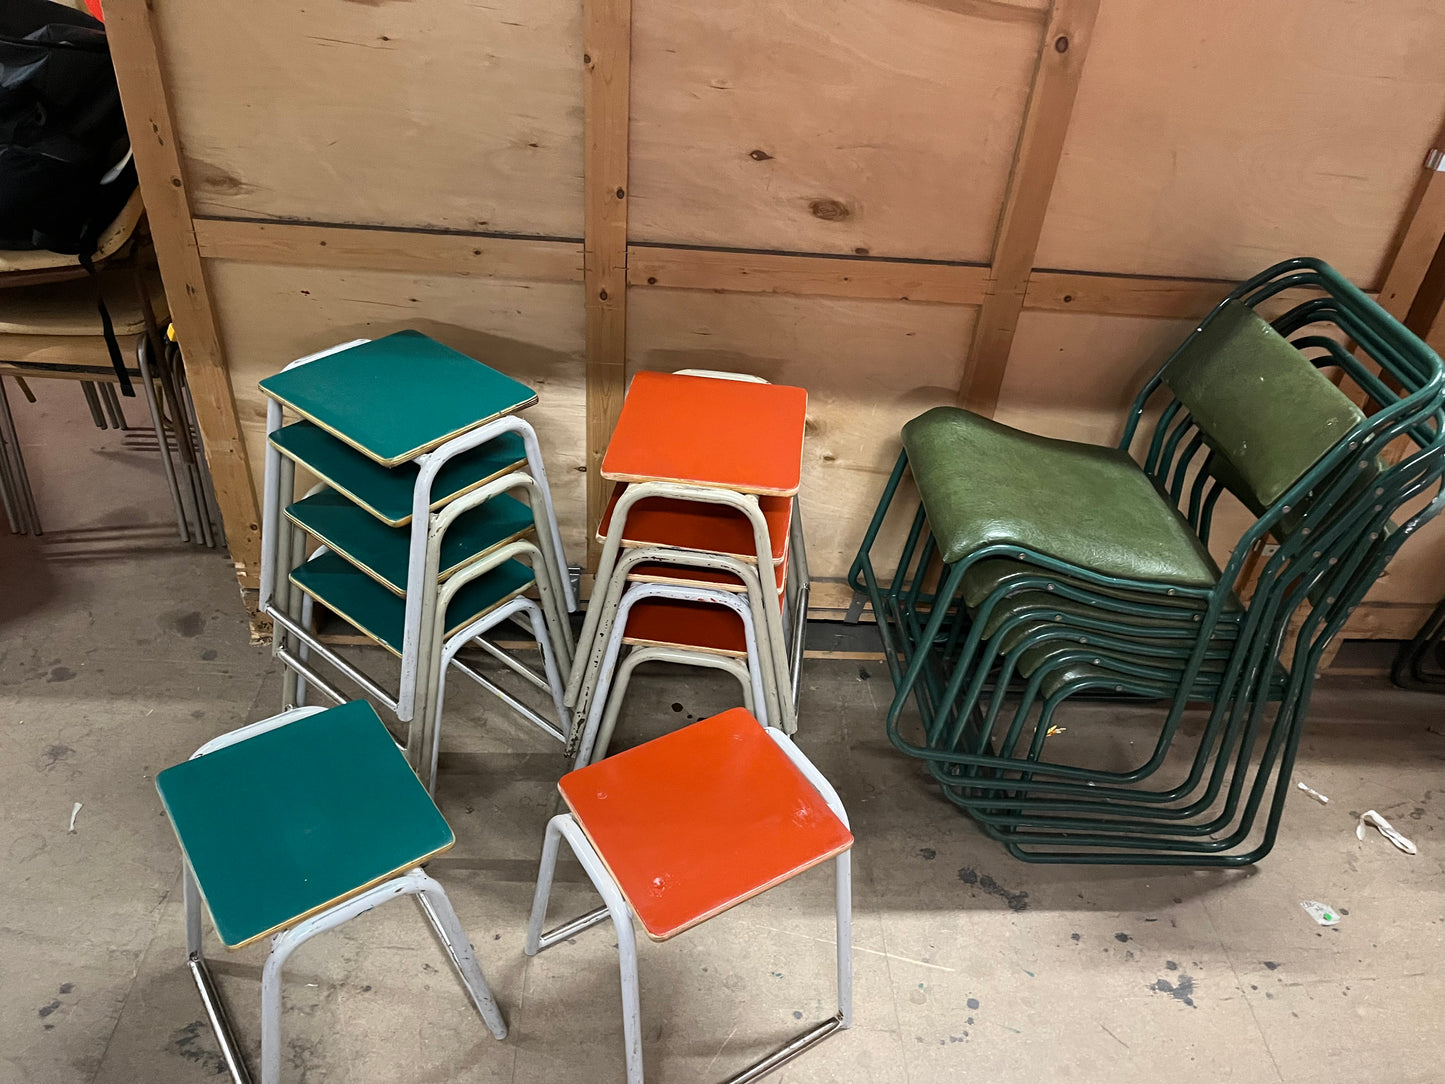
(7, 497)
(92, 400)
(106, 393)
(615, 908)
(142, 353)
(23, 495)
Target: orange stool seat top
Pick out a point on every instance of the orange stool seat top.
(697, 430)
(698, 525)
(701, 819)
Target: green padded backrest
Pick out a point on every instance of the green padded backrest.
(1259, 401)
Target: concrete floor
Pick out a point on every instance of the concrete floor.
(121, 651)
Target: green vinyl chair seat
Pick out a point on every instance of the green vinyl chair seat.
(1259, 402)
(386, 492)
(396, 397)
(349, 592)
(383, 552)
(284, 824)
(983, 483)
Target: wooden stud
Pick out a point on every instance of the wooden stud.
(1418, 237)
(607, 68)
(136, 53)
(421, 252)
(822, 276)
(1064, 46)
(1123, 295)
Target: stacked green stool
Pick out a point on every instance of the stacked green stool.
(432, 523)
(1039, 570)
(292, 826)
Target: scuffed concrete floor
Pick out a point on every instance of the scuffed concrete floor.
(121, 651)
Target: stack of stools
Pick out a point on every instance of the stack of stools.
(703, 560)
(433, 519)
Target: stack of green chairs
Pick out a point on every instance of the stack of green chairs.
(1039, 570)
(419, 538)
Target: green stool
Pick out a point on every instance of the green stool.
(292, 826)
(424, 459)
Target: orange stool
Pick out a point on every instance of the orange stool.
(667, 834)
(709, 466)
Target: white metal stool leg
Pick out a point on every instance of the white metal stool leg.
(603, 609)
(210, 996)
(536, 621)
(434, 904)
(622, 676)
(639, 592)
(614, 907)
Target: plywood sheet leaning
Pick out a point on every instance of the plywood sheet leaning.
(449, 114)
(532, 331)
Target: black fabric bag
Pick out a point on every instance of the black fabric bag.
(62, 135)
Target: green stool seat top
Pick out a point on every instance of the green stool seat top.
(386, 492)
(397, 397)
(287, 823)
(382, 552)
(984, 483)
(381, 615)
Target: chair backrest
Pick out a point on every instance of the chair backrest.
(1258, 401)
(1251, 412)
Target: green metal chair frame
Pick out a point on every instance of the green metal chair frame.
(1173, 642)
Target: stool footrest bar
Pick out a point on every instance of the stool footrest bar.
(788, 1051)
(573, 928)
(220, 1022)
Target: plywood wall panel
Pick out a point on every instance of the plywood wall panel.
(1210, 139)
(272, 315)
(868, 366)
(451, 114)
(840, 126)
(1075, 376)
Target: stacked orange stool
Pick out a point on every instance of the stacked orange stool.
(703, 555)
